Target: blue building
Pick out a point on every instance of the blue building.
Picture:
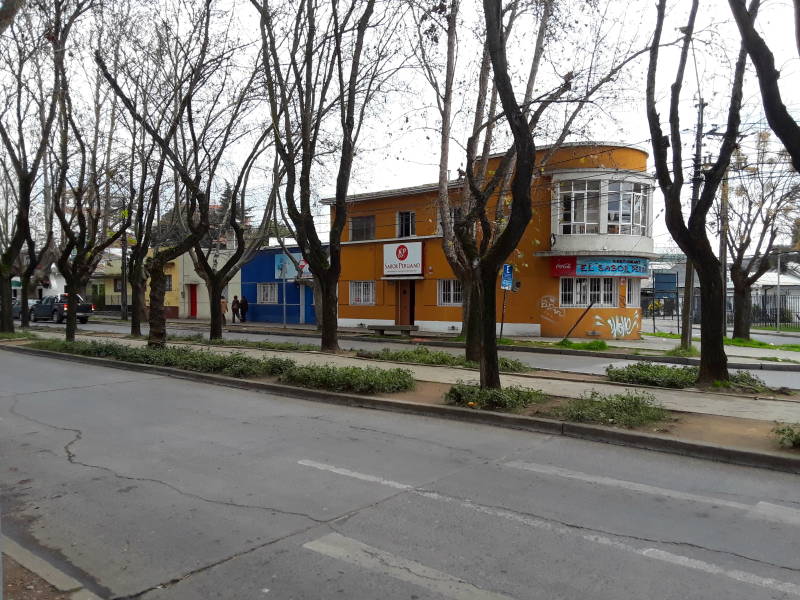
(274, 294)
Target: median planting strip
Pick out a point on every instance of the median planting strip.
(352, 383)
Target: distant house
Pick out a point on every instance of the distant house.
(275, 291)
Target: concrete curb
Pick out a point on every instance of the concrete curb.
(54, 576)
(675, 360)
(658, 443)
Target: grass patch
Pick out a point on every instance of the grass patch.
(629, 409)
(17, 335)
(784, 327)
(777, 359)
(788, 435)
(660, 375)
(663, 334)
(257, 345)
(422, 355)
(360, 380)
(593, 345)
(681, 352)
(202, 361)
(743, 343)
(508, 399)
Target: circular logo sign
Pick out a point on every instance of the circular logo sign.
(302, 264)
(402, 252)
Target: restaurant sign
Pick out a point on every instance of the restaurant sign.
(598, 266)
(402, 259)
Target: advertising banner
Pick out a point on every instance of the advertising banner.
(402, 259)
(598, 266)
(285, 269)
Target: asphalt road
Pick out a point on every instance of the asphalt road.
(158, 488)
(557, 362)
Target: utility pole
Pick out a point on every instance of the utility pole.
(688, 284)
(123, 298)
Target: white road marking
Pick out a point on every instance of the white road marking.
(354, 474)
(357, 553)
(541, 524)
(763, 510)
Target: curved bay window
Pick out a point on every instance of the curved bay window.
(592, 206)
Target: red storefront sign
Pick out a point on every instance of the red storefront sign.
(563, 266)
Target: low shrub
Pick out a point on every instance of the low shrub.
(361, 380)
(506, 399)
(203, 361)
(629, 409)
(647, 373)
(744, 381)
(788, 435)
(593, 345)
(423, 355)
(257, 344)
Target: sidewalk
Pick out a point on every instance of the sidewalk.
(680, 400)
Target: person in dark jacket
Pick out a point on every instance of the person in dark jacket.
(243, 309)
(235, 306)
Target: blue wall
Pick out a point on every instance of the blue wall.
(261, 269)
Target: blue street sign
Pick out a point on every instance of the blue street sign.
(507, 282)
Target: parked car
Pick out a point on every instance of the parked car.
(16, 307)
(55, 308)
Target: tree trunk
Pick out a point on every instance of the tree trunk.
(329, 317)
(72, 305)
(137, 304)
(742, 311)
(713, 361)
(25, 291)
(6, 320)
(487, 301)
(471, 326)
(214, 300)
(157, 337)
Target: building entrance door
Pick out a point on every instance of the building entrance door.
(405, 302)
(193, 300)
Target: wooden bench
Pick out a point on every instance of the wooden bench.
(402, 329)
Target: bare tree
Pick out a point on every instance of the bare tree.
(764, 202)
(692, 236)
(43, 28)
(188, 71)
(322, 61)
(778, 116)
(9, 10)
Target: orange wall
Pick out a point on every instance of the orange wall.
(537, 299)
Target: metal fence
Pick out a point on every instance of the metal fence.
(766, 311)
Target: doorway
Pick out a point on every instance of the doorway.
(405, 302)
(192, 300)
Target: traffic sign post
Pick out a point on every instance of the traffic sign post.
(506, 284)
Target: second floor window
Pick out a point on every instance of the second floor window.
(580, 207)
(362, 228)
(168, 283)
(627, 208)
(406, 224)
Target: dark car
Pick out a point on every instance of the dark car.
(55, 308)
(16, 307)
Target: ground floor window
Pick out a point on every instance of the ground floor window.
(583, 291)
(267, 293)
(362, 292)
(451, 292)
(633, 292)
(168, 283)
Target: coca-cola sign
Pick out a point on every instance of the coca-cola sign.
(402, 259)
(563, 266)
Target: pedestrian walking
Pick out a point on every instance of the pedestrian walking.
(223, 307)
(235, 306)
(243, 309)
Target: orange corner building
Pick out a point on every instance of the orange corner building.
(577, 267)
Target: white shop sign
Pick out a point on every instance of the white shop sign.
(402, 259)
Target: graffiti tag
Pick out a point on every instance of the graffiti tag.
(620, 325)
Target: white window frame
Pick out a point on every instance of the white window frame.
(413, 223)
(449, 292)
(633, 292)
(577, 193)
(578, 292)
(267, 293)
(362, 293)
(637, 198)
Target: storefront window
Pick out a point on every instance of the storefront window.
(362, 292)
(583, 291)
(580, 207)
(267, 293)
(633, 292)
(451, 292)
